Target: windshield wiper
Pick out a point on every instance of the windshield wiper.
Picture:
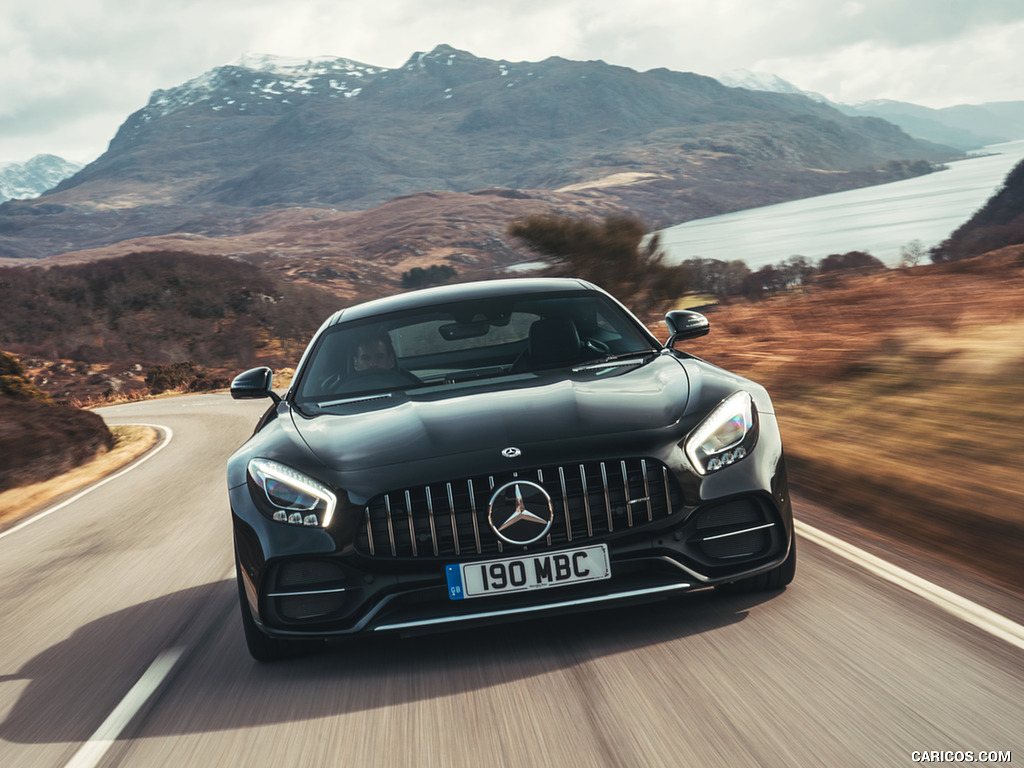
(357, 399)
(639, 356)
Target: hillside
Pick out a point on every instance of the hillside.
(344, 134)
(999, 223)
(83, 331)
(249, 159)
(38, 438)
(896, 393)
(32, 178)
(966, 127)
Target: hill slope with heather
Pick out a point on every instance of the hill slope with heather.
(86, 330)
(895, 393)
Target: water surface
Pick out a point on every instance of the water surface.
(879, 219)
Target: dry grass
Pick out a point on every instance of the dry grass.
(131, 442)
(901, 397)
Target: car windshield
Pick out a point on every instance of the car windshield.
(448, 344)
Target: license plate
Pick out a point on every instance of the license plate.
(517, 574)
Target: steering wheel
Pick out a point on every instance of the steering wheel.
(596, 345)
(330, 383)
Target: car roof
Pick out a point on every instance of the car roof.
(444, 294)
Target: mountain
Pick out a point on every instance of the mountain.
(765, 81)
(274, 161)
(30, 179)
(341, 133)
(965, 127)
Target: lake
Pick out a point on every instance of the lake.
(879, 219)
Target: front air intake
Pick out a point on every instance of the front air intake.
(307, 590)
(736, 529)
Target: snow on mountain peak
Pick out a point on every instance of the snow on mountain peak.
(764, 81)
(21, 181)
(285, 66)
(256, 78)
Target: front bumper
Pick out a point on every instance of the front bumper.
(301, 584)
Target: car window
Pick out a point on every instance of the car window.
(430, 337)
(460, 342)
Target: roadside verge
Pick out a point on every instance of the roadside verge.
(132, 442)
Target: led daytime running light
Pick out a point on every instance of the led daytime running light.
(265, 469)
(718, 441)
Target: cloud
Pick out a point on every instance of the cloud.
(972, 69)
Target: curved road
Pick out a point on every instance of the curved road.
(120, 645)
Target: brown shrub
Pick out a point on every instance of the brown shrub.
(40, 440)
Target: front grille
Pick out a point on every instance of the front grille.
(449, 519)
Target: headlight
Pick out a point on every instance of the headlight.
(725, 436)
(289, 496)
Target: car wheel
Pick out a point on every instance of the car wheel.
(261, 647)
(778, 577)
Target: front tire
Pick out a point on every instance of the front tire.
(261, 647)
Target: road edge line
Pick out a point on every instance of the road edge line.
(994, 623)
(167, 432)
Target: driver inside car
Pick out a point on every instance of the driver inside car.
(375, 352)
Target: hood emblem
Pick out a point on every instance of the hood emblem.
(520, 512)
(511, 452)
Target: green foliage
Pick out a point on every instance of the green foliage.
(14, 382)
(186, 376)
(614, 254)
(435, 274)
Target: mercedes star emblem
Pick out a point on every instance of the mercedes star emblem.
(511, 452)
(520, 512)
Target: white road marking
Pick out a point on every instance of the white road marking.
(90, 753)
(952, 603)
(168, 434)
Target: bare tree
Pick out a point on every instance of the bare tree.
(912, 253)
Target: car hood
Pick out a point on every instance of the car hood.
(553, 409)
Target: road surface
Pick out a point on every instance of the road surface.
(120, 645)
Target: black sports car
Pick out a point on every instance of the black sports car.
(480, 452)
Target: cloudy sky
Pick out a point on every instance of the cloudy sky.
(73, 70)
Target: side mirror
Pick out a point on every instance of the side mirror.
(684, 324)
(254, 384)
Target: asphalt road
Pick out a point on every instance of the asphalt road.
(120, 644)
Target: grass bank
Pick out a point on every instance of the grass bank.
(130, 442)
